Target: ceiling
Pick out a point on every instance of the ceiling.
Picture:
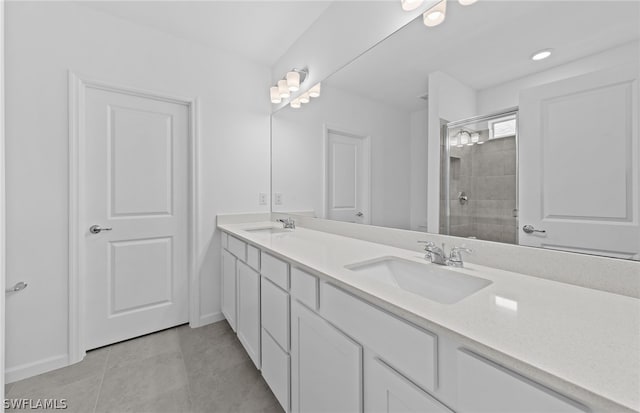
(261, 31)
(487, 44)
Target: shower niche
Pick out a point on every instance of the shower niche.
(479, 178)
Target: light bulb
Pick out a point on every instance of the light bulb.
(435, 15)
(408, 5)
(283, 90)
(275, 94)
(465, 138)
(293, 81)
(295, 104)
(304, 98)
(314, 92)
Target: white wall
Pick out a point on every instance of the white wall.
(336, 37)
(44, 41)
(451, 100)
(298, 153)
(2, 205)
(506, 95)
(419, 151)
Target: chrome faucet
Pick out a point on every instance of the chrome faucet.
(288, 223)
(455, 256)
(436, 255)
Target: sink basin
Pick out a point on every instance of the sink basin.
(268, 230)
(442, 284)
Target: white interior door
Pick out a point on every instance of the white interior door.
(135, 187)
(347, 190)
(578, 155)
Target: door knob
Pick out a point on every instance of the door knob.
(359, 214)
(18, 287)
(96, 229)
(529, 229)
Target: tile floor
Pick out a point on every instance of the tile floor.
(176, 370)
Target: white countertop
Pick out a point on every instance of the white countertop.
(579, 340)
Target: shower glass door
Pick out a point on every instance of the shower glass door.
(479, 178)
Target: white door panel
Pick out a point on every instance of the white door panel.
(135, 182)
(578, 154)
(347, 189)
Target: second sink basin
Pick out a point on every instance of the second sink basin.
(437, 283)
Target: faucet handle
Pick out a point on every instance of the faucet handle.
(428, 244)
(456, 252)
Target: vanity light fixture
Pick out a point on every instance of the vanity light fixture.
(475, 138)
(467, 2)
(289, 83)
(293, 81)
(275, 94)
(541, 54)
(295, 103)
(304, 98)
(283, 89)
(294, 77)
(435, 15)
(408, 5)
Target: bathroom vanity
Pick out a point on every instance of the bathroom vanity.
(333, 326)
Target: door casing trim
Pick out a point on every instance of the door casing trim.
(77, 88)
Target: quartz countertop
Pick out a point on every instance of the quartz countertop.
(582, 342)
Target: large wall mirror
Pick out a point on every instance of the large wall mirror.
(512, 121)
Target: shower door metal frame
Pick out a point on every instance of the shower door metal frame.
(445, 138)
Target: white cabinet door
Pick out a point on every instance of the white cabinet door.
(229, 288)
(485, 387)
(326, 366)
(578, 157)
(249, 311)
(389, 392)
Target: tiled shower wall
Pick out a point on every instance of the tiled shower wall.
(487, 175)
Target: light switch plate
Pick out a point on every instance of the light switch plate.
(278, 198)
(262, 198)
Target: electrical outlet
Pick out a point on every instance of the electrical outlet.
(262, 198)
(278, 198)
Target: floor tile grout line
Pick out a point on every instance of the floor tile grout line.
(186, 372)
(104, 372)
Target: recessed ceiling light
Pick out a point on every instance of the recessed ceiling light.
(541, 54)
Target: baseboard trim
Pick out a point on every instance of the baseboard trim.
(211, 318)
(27, 370)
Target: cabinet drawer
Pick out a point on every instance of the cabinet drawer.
(409, 349)
(224, 240)
(237, 248)
(276, 270)
(253, 257)
(275, 369)
(484, 386)
(304, 287)
(275, 313)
